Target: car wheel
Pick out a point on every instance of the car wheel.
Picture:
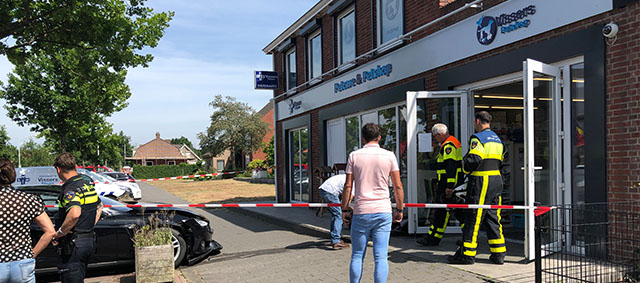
(179, 247)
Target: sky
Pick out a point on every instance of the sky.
(211, 48)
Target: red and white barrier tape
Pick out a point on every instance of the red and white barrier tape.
(538, 210)
(187, 177)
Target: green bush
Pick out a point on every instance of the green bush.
(258, 164)
(162, 171)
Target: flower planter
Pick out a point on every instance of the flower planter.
(258, 174)
(154, 264)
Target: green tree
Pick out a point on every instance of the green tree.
(268, 149)
(234, 126)
(115, 29)
(7, 150)
(183, 140)
(35, 154)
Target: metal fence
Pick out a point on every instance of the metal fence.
(589, 243)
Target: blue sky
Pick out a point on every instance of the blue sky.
(212, 47)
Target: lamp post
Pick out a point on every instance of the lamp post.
(19, 161)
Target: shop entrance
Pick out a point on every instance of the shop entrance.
(542, 134)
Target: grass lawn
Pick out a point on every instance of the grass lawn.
(218, 191)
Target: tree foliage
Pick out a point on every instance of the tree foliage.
(115, 29)
(268, 149)
(35, 154)
(234, 126)
(7, 150)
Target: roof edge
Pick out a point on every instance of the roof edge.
(321, 5)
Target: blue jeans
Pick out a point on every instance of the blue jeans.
(336, 216)
(378, 227)
(18, 271)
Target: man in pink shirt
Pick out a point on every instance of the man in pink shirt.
(369, 169)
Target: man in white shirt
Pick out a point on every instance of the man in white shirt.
(329, 191)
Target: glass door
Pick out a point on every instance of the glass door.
(424, 109)
(299, 165)
(542, 134)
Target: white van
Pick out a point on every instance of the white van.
(47, 175)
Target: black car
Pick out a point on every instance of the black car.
(192, 235)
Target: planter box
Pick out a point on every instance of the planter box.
(154, 264)
(255, 174)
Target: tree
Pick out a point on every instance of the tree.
(268, 149)
(234, 126)
(35, 154)
(115, 29)
(183, 140)
(7, 150)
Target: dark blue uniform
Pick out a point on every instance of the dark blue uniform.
(76, 248)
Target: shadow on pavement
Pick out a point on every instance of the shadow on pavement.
(322, 245)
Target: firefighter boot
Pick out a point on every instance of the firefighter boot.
(428, 241)
(497, 258)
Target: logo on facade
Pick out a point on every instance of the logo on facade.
(487, 26)
(294, 105)
(359, 79)
(487, 30)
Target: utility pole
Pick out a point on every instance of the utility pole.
(19, 162)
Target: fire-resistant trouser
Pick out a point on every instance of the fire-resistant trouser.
(484, 188)
(441, 218)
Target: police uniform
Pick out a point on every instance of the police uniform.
(482, 164)
(449, 166)
(77, 247)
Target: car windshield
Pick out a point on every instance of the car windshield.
(96, 177)
(118, 176)
(108, 178)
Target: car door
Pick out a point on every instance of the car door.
(49, 257)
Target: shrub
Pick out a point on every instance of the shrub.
(154, 233)
(161, 171)
(257, 164)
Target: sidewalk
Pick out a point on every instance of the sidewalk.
(304, 221)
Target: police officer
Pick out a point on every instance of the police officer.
(482, 164)
(79, 211)
(449, 166)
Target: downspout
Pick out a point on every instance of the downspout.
(275, 145)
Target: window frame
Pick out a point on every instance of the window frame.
(286, 68)
(346, 12)
(310, 75)
(379, 25)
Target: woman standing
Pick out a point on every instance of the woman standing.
(17, 211)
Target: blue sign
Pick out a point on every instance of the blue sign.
(487, 28)
(373, 74)
(266, 80)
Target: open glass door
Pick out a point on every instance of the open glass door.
(542, 134)
(424, 109)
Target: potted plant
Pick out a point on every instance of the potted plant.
(259, 169)
(153, 251)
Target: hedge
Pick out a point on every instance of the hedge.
(163, 171)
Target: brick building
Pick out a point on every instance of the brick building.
(539, 67)
(267, 116)
(159, 151)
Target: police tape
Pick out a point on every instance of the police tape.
(188, 176)
(538, 210)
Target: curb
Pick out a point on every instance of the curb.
(298, 228)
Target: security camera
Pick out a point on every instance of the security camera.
(610, 30)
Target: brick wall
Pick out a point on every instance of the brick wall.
(364, 27)
(267, 118)
(623, 94)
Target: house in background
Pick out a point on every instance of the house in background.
(217, 162)
(267, 116)
(161, 152)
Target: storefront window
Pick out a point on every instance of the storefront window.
(299, 164)
(347, 37)
(291, 69)
(315, 55)
(387, 123)
(577, 116)
(390, 20)
(353, 134)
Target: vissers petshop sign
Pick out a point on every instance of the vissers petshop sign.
(488, 26)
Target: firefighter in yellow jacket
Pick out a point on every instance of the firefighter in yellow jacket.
(449, 166)
(482, 165)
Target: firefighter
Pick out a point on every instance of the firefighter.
(449, 166)
(482, 165)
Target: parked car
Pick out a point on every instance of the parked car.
(124, 180)
(107, 188)
(98, 168)
(192, 235)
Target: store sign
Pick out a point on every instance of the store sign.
(359, 79)
(487, 26)
(294, 105)
(266, 80)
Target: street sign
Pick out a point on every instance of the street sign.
(266, 80)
